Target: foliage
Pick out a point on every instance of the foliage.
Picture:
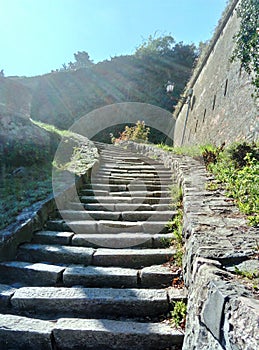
(175, 225)
(247, 39)
(138, 133)
(82, 60)
(179, 313)
(238, 172)
(60, 98)
(19, 193)
(248, 274)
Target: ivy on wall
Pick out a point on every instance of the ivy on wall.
(247, 39)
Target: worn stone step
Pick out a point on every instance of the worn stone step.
(112, 226)
(123, 240)
(116, 216)
(6, 292)
(130, 174)
(37, 274)
(121, 188)
(86, 302)
(134, 258)
(120, 335)
(17, 332)
(132, 193)
(157, 276)
(115, 206)
(123, 199)
(53, 237)
(55, 254)
(130, 257)
(98, 276)
(91, 215)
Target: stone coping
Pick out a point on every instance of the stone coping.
(222, 311)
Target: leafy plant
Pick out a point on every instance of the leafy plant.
(246, 45)
(139, 132)
(175, 225)
(239, 176)
(248, 274)
(179, 313)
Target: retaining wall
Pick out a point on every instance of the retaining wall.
(223, 311)
(221, 108)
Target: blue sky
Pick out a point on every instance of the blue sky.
(37, 36)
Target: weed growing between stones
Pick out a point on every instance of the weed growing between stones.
(175, 225)
(237, 170)
(179, 313)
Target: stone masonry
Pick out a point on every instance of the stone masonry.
(223, 313)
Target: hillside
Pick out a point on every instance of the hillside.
(61, 97)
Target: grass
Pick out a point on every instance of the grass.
(19, 193)
(175, 225)
(35, 184)
(236, 170)
(178, 315)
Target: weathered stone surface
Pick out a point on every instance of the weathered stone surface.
(32, 274)
(157, 276)
(55, 253)
(90, 215)
(108, 334)
(87, 302)
(53, 237)
(18, 332)
(6, 291)
(107, 226)
(241, 324)
(147, 215)
(131, 257)
(115, 240)
(97, 276)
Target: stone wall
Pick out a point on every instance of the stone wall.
(221, 108)
(223, 310)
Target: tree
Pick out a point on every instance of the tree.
(82, 60)
(161, 45)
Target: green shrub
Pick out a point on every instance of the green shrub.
(139, 132)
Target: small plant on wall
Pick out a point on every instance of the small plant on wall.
(247, 40)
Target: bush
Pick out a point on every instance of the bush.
(139, 133)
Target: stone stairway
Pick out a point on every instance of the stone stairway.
(100, 275)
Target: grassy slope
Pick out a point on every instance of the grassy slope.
(35, 182)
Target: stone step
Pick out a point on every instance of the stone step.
(137, 174)
(86, 302)
(17, 332)
(55, 254)
(112, 226)
(117, 240)
(157, 276)
(133, 258)
(116, 216)
(96, 333)
(27, 273)
(53, 237)
(120, 188)
(119, 335)
(123, 240)
(98, 276)
(114, 207)
(123, 199)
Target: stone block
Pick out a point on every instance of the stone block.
(119, 335)
(18, 332)
(86, 302)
